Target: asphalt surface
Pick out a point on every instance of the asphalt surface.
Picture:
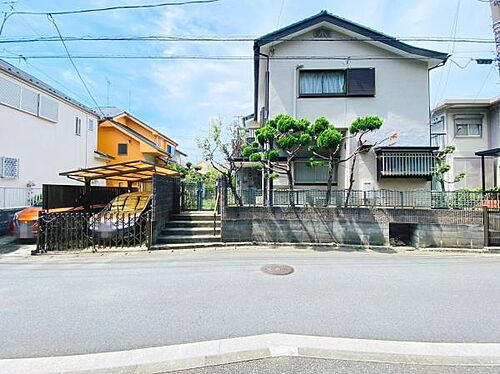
(295, 365)
(54, 306)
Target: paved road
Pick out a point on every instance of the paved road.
(59, 307)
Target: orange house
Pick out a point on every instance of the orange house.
(124, 138)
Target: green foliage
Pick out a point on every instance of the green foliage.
(271, 175)
(302, 125)
(305, 139)
(265, 134)
(255, 157)
(287, 142)
(247, 151)
(365, 124)
(314, 162)
(330, 139)
(272, 155)
(285, 123)
(320, 125)
(449, 149)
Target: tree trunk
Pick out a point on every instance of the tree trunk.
(237, 198)
(331, 167)
(291, 196)
(351, 182)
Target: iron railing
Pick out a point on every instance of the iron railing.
(463, 200)
(399, 164)
(19, 197)
(77, 231)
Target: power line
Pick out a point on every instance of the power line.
(220, 57)
(175, 38)
(118, 7)
(280, 13)
(7, 15)
(51, 19)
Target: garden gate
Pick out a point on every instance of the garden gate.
(198, 195)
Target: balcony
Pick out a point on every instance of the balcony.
(407, 162)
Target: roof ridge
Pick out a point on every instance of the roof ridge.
(351, 26)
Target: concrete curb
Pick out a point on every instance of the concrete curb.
(217, 352)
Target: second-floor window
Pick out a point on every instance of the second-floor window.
(332, 83)
(122, 149)
(322, 82)
(91, 124)
(468, 125)
(78, 126)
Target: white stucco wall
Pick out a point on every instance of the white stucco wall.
(46, 148)
(467, 146)
(401, 99)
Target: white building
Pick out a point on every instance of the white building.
(43, 132)
(471, 126)
(328, 66)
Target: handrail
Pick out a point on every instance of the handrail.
(217, 197)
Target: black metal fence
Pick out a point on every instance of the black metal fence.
(63, 196)
(76, 231)
(462, 200)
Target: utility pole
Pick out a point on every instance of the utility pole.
(495, 15)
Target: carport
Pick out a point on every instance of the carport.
(494, 152)
(130, 172)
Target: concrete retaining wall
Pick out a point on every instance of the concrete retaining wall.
(431, 228)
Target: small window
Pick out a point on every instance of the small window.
(322, 83)
(49, 108)
(91, 124)
(122, 149)
(9, 167)
(169, 149)
(29, 101)
(311, 175)
(78, 126)
(10, 93)
(470, 125)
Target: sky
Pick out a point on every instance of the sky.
(180, 98)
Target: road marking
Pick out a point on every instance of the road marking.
(216, 352)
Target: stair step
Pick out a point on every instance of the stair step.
(176, 239)
(187, 245)
(209, 230)
(198, 216)
(193, 223)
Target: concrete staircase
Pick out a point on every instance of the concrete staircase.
(189, 229)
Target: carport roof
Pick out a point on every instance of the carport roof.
(131, 171)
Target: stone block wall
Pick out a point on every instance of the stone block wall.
(364, 226)
(166, 201)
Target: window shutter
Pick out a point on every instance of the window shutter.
(361, 82)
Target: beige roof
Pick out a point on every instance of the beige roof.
(131, 171)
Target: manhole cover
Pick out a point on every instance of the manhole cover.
(275, 269)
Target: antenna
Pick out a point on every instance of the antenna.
(108, 83)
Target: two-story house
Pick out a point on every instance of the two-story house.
(471, 126)
(42, 132)
(127, 138)
(328, 66)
